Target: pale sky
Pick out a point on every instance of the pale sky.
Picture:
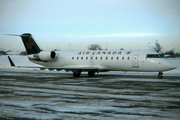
(128, 24)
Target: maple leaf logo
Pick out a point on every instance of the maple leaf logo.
(29, 44)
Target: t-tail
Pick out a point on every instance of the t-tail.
(33, 50)
(29, 43)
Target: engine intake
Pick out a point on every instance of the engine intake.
(47, 55)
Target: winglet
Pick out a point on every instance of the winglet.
(11, 62)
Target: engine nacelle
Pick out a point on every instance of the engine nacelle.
(47, 55)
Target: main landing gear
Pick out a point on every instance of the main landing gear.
(91, 73)
(160, 75)
(78, 73)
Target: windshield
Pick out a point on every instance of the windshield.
(154, 56)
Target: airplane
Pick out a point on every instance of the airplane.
(93, 61)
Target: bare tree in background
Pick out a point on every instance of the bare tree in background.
(158, 47)
(170, 53)
(95, 47)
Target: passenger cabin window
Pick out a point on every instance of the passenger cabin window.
(77, 58)
(111, 58)
(72, 58)
(154, 56)
(96, 58)
(101, 58)
(122, 58)
(86, 58)
(128, 58)
(117, 58)
(106, 58)
(81, 58)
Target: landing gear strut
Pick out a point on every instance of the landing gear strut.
(91, 73)
(160, 75)
(77, 74)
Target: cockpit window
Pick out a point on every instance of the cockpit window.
(154, 56)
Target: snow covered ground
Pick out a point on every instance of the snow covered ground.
(28, 94)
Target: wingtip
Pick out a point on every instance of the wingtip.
(11, 62)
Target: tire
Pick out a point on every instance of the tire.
(160, 77)
(76, 74)
(91, 73)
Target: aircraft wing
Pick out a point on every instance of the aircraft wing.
(57, 68)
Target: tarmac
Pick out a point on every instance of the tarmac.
(35, 94)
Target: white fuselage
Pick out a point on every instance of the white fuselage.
(109, 60)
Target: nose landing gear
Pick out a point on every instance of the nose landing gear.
(160, 75)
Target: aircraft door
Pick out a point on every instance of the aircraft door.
(135, 61)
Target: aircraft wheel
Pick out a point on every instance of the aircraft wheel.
(160, 75)
(91, 73)
(76, 74)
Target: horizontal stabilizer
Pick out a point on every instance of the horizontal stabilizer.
(23, 35)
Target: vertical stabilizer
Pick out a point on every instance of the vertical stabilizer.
(30, 44)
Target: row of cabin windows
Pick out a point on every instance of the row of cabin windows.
(96, 58)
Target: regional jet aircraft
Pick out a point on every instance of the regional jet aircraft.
(94, 61)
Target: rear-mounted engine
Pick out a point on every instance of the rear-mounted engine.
(46, 55)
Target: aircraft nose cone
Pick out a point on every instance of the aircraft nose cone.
(172, 66)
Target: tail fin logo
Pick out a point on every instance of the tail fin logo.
(29, 44)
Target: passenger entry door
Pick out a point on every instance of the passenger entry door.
(135, 61)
